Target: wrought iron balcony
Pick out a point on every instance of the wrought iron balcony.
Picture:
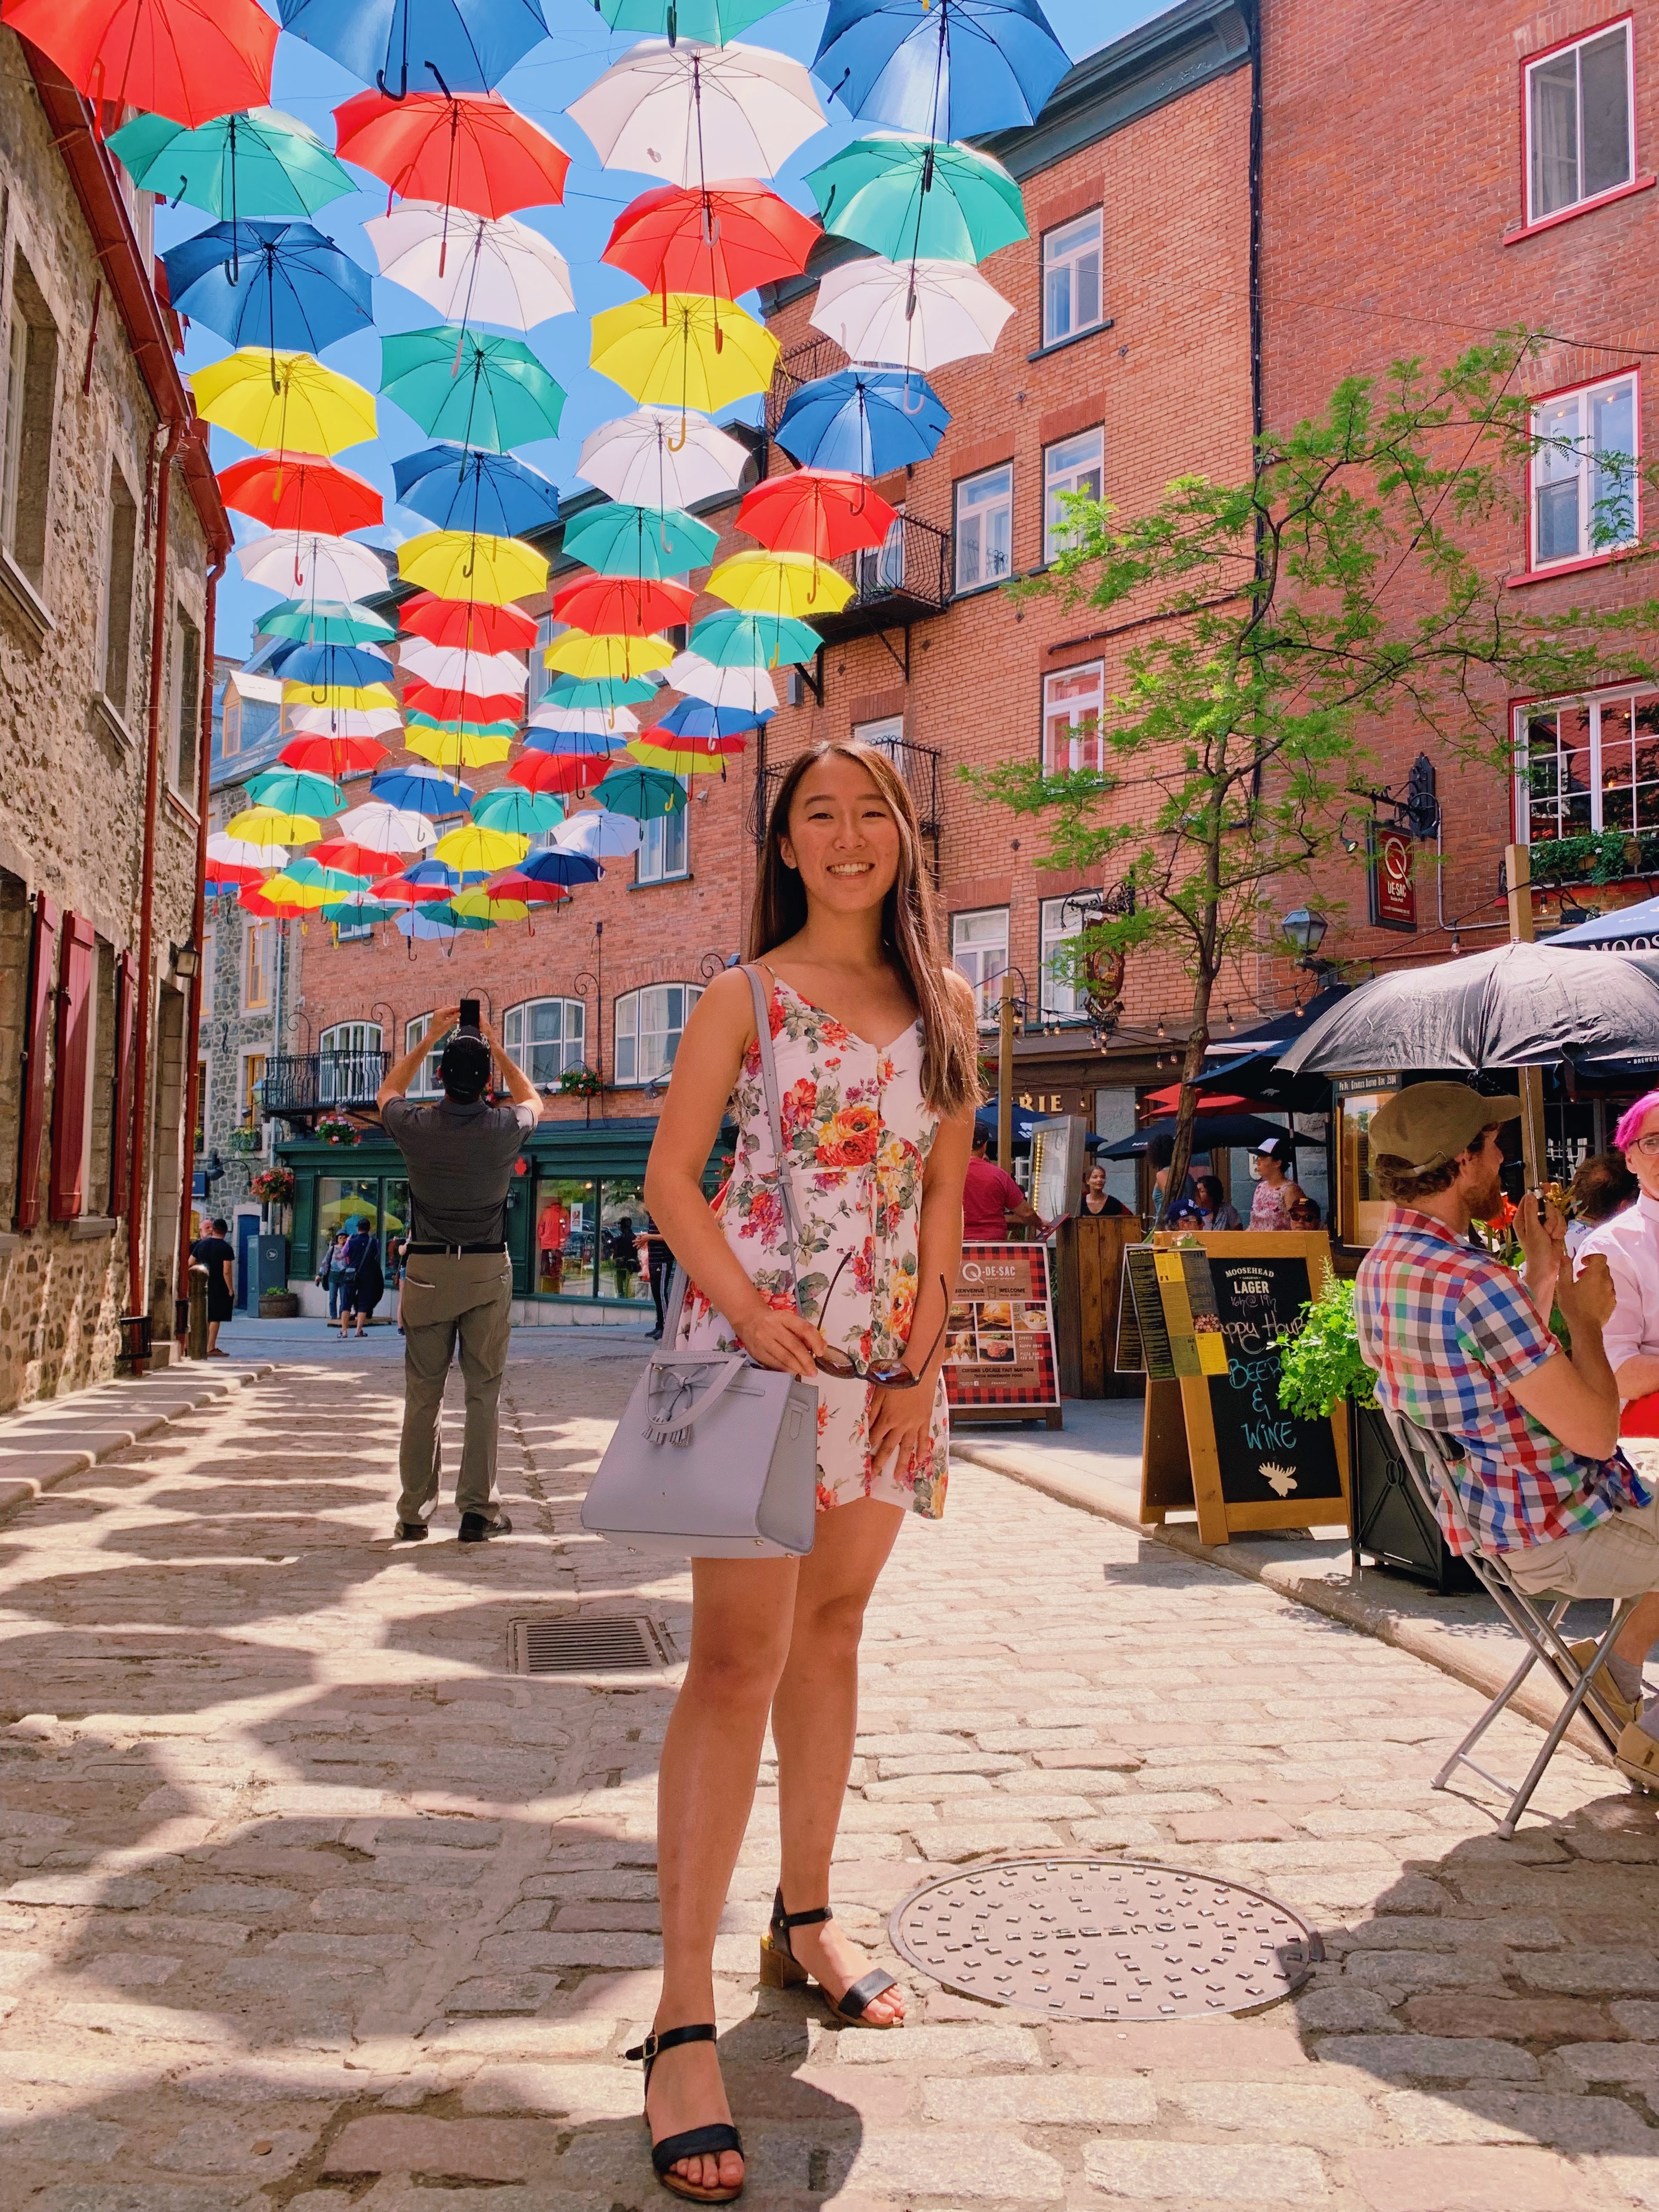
(903, 580)
(300, 1085)
(800, 365)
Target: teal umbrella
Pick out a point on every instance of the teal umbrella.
(361, 907)
(521, 813)
(908, 197)
(647, 542)
(262, 163)
(712, 22)
(296, 791)
(475, 390)
(646, 794)
(733, 640)
(604, 692)
(326, 622)
(416, 720)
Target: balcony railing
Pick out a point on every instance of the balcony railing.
(800, 365)
(298, 1084)
(904, 579)
(918, 764)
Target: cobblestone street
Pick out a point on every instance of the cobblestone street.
(310, 1901)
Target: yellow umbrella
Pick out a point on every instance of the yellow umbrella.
(481, 906)
(288, 402)
(269, 826)
(783, 585)
(618, 659)
(359, 698)
(446, 750)
(673, 761)
(459, 564)
(684, 350)
(473, 847)
(297, 899)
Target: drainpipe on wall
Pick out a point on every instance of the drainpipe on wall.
(138, 1178)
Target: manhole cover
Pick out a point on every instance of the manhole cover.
(1104, 1939)
(586, 1643)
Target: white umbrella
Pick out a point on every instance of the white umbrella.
(470, 268)
(659, 457)
(586, 721)
(918, 313)
(301, 565)
(386, 828)
(677, 113)
(598, 834)
(458, 668)
(344, 721)
(243, 853)
(749, 688)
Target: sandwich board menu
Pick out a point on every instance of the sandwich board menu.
(1000, 1339)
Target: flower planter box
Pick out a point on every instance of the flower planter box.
(1389, 1519)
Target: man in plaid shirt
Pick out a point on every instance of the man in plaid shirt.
(1462, 1346)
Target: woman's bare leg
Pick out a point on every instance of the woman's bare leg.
(740, 1621)
(815, 1721)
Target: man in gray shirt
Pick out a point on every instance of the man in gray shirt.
(458, 1279)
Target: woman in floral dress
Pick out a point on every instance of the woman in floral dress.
(875, 1045)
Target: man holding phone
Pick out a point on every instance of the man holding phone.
(458, 1279)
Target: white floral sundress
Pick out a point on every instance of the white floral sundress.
(857, 1132)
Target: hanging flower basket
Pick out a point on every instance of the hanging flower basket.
(273, 1185)
(245, 1140)
(580, 1083)
(334, 1130)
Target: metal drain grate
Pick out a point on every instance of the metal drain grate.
(587, 1643)
(1104, 1939)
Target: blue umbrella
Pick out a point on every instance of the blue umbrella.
(952, 68)
(553, 865)
(271, 284)
(430, 791)
(861, 420)
(420, 46)
(695, 718)
(463, 487)
(590, 743)
(428, 923)
(440, 872)
(601, 690)
(351, 667)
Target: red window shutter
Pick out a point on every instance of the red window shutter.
(120, 1141)
(66, 1198)
(43, 947)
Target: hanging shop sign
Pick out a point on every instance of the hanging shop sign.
(1393, 884)
(1000, 1342)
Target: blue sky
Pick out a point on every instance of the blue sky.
(308, 85)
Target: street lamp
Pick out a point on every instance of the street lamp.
(1305, 931)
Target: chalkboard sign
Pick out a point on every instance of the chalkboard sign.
(1266, 1453)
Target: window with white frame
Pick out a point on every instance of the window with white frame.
(1070, 278)
(1580, 111)
(979, 948)
(880, 569)
(1588, 764)
(426, 1084)
(888, 733)
(1061, 925)
(258, 949)
(649, 1025)
(664, 848)
(1584, 455)
(985, 527)
(546, 1036)
(230, 722)
(1073, 699)
(1075, 465)
(349, 1056)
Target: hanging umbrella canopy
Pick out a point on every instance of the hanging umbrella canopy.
(667, 109)
(269, 826)
(556, 864)
(393, 829)
(733, 640)
(721, 239)
(289, 491)
(344, 697)
(453, 748)
(1517, 1006)
(647, 793)
(435, 708)
(424, 874)
(823, 512)
(559, 772)
(472, 847)
(684, 350)
(519, 812)
(421, 791)
(622, 607)
(456, 671)
(461, 488)
(955, 69)
(713, 21)
(599, 835)
(455, 564)
(398, 892)
(1626, 929)
(238, 860)
(330, 667)
(488, 907)
(793, 583)
(904, 195)
(346, 721)
(689, 720)
(293, 792)
(467, 45)
(660, 456)
(284, 400)
(352, 859)
(590, 659)
(188, 60)
(326, 621)
(332, 757)
(563, 729)
(271, 284)
(358, 908)
(528, 890)
(743, 688)
(432, 924)
(690, 757)
(467, 623)
(252, 899)
(1217, 1132)
(621, 539)
(472, 268)
(589, 745)
(262, 163)
(474, 151)
(474, 389)
(920, 314)
(865, 422)
(307, 566)
(602, 694)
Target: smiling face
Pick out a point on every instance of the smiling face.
(841, 839)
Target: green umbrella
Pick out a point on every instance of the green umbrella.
(647, 542)
(293, 791)
(416, 719)
(646, 794)
(326, 622)
(358, 908)
(733, 640)
(263, 163)
(519, 813)
(478, 391)
(905, 197)
(600, 692)
(712, 21)
(447, 910)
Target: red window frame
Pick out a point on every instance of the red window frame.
(1638, 180)
(43, 947)
(72, 1066)
(1533, 574)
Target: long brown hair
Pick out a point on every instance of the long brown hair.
(910, 930)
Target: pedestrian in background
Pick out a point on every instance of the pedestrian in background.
(331, 1275)
(659, 1268)
(1214, 1213)
(218, 1254)
(365, 1278)
(991, 1199)
(1276, 1191)
(1602, 1187)
(624, 1256)
(1160, 1152)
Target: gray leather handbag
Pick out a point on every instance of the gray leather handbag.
(715, 1457)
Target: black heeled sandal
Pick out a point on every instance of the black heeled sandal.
(780, 1969)
(691, 2142)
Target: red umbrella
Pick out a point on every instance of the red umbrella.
(721, 240)
(254, 900)
(400, 891)
(672, 741)
(560, 772)
(188, 60)
(530, 889)
(332, 756)
(354, 860)
(296, 491)
(461, 706)
(823, 512)
(624, 606)
(473, 151)
(465, 623)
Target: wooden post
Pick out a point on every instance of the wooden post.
(1517, 874)
(1006, 1076)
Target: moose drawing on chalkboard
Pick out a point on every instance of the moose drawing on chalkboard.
(1281, 1481)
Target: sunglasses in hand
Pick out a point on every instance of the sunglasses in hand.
(887, 1374)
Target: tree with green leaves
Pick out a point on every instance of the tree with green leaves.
(1267, 621)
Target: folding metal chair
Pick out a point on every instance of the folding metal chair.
(1536, 1619)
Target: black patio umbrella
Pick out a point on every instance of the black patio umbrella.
(1211, 1133)
(1516, 1006)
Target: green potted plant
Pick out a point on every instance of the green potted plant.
(246, 1138)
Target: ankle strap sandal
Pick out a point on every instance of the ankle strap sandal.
(691, 2142)
(780, 1969)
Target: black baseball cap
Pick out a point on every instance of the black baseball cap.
(463, 1067)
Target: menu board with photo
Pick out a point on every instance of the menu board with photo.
(999, 1341)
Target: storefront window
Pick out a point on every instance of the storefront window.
(341, 1201)
(622, 1215)
(394, 1208)
(1361, 1208)
(566, 1209)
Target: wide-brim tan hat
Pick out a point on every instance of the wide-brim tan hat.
(1427, 1124)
